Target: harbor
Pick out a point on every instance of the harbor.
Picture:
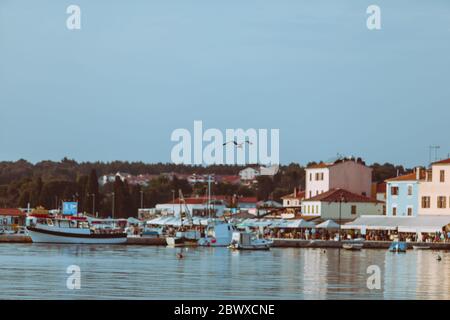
(154, 272)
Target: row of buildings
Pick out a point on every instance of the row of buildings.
(341, 190)
(426, 191)
(247, 176)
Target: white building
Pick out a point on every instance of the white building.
(349, 174)
(196, 206)
(341, 204)
(434, 189)
(293, 200)
(248, 174)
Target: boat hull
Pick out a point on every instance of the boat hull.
(44, 236)
(250, 247)
(181, 242)
(354, 246)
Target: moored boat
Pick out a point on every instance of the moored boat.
(247, 241)
(183, 239)
(217, 234)
(77, 230)
(398, 247)
(352, 246)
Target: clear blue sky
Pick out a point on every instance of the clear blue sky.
(137, 70)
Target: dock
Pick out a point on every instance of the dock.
(146, 241)
(299, 243)
(15, 238)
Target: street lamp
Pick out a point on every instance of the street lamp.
(341, 199)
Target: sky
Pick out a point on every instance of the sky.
(136, 71)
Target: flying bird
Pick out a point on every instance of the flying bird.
(238, 145)
(232, 141)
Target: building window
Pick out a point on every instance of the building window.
(394, 211)
(426, 202)
(429, 175)
(442, 176)
(310, 194)
(288, 202)
(409, 211)
(353, 209)
(410, 190)
(384, 210)
(310, 177)
(441, 202)
(394, 191)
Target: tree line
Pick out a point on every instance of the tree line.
(48, 183)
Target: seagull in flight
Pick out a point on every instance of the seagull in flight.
(238, 145)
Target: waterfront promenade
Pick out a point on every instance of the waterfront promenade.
(277, 243)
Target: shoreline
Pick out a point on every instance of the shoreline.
(277, 243)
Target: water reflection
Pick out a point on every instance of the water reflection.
(31, 271)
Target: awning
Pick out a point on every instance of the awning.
(427, 224)
(329, 224)
(292, 224)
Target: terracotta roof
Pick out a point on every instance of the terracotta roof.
(446, 161)
(13, 212)
(247, 200)
(299, 195)
(406, 177)
(199, 200)
(334, 195)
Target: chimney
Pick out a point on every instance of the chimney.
(418, 173)
(295, 192)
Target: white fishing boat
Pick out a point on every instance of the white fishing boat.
(187, 235)
(184, 239)
(47, 229)
(352, 246)
(242, 240)
(217, 234)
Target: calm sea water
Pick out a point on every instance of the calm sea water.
(37, 271)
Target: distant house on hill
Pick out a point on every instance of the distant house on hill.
(248, 174)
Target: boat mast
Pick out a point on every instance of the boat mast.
(209, 197)
(187, 212)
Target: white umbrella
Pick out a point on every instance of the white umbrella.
(329, 224)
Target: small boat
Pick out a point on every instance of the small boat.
(248, 241)
(398, 247)
(48, 229)
(419, 247)
(152, 232)
(352, 246)
(184, 239)
(217, 234)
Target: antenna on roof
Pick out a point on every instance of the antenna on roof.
(435, 152)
